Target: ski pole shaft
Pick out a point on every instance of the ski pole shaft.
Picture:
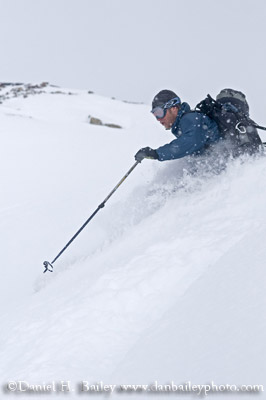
(46, 263)
(120, 182)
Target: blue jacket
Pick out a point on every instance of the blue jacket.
(194, 132)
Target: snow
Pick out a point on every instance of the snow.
(167, 282)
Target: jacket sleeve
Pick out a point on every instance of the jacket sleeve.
(193, 138)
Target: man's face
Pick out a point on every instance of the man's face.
(169, 118)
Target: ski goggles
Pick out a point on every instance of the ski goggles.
(160, 111)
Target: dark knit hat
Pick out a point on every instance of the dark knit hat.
(163, 97)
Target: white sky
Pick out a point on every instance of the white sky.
(132, 49)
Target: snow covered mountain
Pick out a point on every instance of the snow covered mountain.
(166, 283)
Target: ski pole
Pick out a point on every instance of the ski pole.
(47, 264)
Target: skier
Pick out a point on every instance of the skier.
(194, 131)
(225, 120)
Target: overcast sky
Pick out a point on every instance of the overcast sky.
(132, 49)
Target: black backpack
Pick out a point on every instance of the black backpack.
(230, 111)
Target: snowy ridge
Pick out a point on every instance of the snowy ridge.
(167, 282)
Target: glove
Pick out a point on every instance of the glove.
(146, 152)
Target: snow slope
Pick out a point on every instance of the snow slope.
(166, 283)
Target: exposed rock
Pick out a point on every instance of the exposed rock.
(132, 102)
(57, 92)
(4, 84)
(10, 90)
(113, 126)
(95, 121)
